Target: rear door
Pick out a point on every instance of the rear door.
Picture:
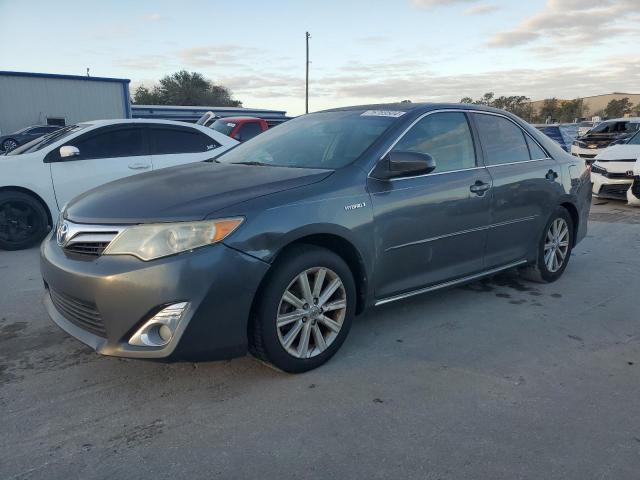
(106, 154)
(174, 145)
(526, 188)
(432, 228)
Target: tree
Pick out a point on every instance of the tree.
(550, 109)
(617, 108)
(569, 110)
(185, 88)
(517, 104)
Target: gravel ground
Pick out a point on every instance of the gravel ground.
(501, 379)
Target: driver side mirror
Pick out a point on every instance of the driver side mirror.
(403, 164)
(69, 151)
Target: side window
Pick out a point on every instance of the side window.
(502, 140)
(179, 140)
(113, 142)
(446, 137)
(249, 130)
(535, 151)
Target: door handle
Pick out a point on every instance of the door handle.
(139, 166)
(551, 175)
(479, 187)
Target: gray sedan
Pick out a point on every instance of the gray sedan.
(25, 135)
(275, 245)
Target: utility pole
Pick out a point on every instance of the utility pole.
(306, 96)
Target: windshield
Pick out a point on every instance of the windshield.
(635, 140)
(615, 127)
(42, 142)
(223, 126)
(319, 140)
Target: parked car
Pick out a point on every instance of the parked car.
(39, 177)
(585, 126)
(275, 245)
(25, 135)
(603, 135)
(612, 173)
(562, 134)
(240, 128)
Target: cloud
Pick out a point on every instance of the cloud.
(438, 3)
(579, 21)
(481, 9)
(152, 17)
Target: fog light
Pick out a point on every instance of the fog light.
(159, 329)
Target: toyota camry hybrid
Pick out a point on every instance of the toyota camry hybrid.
(274, 246)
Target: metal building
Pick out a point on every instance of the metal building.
(50, 99)
(193, 113)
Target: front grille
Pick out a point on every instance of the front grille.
(82, 314)
(88, 248)
(587, 155)
(614, 191)
(635, 188)
(618, 175)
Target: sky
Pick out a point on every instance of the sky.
(361, 51)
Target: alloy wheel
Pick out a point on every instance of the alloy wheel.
(311, 312)
(9, 145)
(18, 220)
(556, 245)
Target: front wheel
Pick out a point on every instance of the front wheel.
(304, 310)
(554, 249)
(23, 220)
(9, 144)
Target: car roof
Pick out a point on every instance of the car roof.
(623, 119)
(419, 107)
(116, 121)
(238, 119)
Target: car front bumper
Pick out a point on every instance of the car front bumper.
(610, 187)
(587, 154)
(106, 299)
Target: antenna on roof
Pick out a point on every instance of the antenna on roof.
(88, 72)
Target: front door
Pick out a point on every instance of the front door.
(432, 228)
(526, 188)
(105, 154)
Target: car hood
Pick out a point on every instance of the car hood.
(187, 192)
(620, 153)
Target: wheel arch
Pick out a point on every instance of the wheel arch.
(575, 217)
(10, 188)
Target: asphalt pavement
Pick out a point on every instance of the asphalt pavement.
(500, 379)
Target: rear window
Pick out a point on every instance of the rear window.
(635, 140)
(502, 140)
(223, 126)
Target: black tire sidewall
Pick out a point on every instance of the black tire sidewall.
(41, 229)
(285, 270)
(547, 275)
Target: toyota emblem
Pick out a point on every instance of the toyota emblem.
(61, 233)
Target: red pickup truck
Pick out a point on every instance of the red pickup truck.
(240, 128)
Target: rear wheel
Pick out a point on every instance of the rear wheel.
(304, 311)
(23, 220)
(554, 249)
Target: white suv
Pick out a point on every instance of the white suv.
(38, 178)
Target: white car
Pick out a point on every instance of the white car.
(38, 178)
(603, 135)
(613, 171)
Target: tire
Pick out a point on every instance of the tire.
(23, 220)
(544, 270)
(268, 340)
(10, 144)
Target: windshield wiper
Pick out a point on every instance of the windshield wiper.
(252, 162)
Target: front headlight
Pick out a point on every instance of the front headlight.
(148, 242)
(596, 169)
(580, 144)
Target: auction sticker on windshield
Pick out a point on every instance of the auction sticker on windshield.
(382, 113)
